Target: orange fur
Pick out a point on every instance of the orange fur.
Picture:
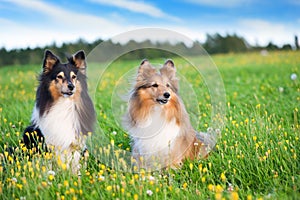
(55, 93)
(148, 95)
(76, 96)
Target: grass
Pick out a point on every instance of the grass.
(257, 156)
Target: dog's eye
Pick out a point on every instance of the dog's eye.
(59, 77)
(168, 85)
(154, 85)
(74, 76)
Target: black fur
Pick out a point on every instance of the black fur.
(34, 139)
(32, 136)
(44, 99)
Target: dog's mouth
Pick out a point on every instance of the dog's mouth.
(67, 94)
(162, 101)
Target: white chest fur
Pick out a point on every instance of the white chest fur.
(60, 125)
(154, 136)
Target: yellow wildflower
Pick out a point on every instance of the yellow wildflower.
(234, 196)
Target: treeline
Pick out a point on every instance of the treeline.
(214, 44)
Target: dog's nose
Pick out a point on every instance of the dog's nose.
(166, 94)
(70, 86)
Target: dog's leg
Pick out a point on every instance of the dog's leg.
(34, 140)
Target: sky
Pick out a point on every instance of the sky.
(32, 23)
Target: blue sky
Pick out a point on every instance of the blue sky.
(38, 22)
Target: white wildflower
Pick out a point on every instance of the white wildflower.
(149, 192)
(14, 179)
(281, 89)
(50, 172)
(151, 178)
(293, 76)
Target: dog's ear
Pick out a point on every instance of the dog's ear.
(50, 60)
(145, 70)
(169, 71)
(78, 59)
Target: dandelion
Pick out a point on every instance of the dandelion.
(122, 190)
(234, 196)
(72, 191)
(20, 186)
(249, 197)
(63, 166)
(135, 196)
(211, 187)
(219, 189)
(149, 192)
(223, 177)
(51, 172)
(109, 188)
(101, 178)
(218, 196)
(281, 89)
(66, 183)
(114, 133)
(191, 166)
(44, 184)
(185, 185)
(136, 176)
(50, 177)
(293, 76)
(24, 180)
(102, 167)
(14, 180)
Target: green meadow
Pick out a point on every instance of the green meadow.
(256, 157)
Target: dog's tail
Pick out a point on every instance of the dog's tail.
(208, 141)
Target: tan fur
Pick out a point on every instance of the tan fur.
(55, 93)
(172, 110)
(140, 107)
(50, 62)
(80, 63)
(60, 84)
(151, 86)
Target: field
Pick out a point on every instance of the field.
(256, 157)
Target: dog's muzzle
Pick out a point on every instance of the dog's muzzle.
(67, 94)
(165, 99)
(70, 91)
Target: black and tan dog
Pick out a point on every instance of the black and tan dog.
(63, 113)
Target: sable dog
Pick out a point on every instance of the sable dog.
(159, 126)
(63, 113)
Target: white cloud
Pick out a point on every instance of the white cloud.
(220, 3)
(262, 31)
(62, 16)
(60, 26)
(137, 7)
